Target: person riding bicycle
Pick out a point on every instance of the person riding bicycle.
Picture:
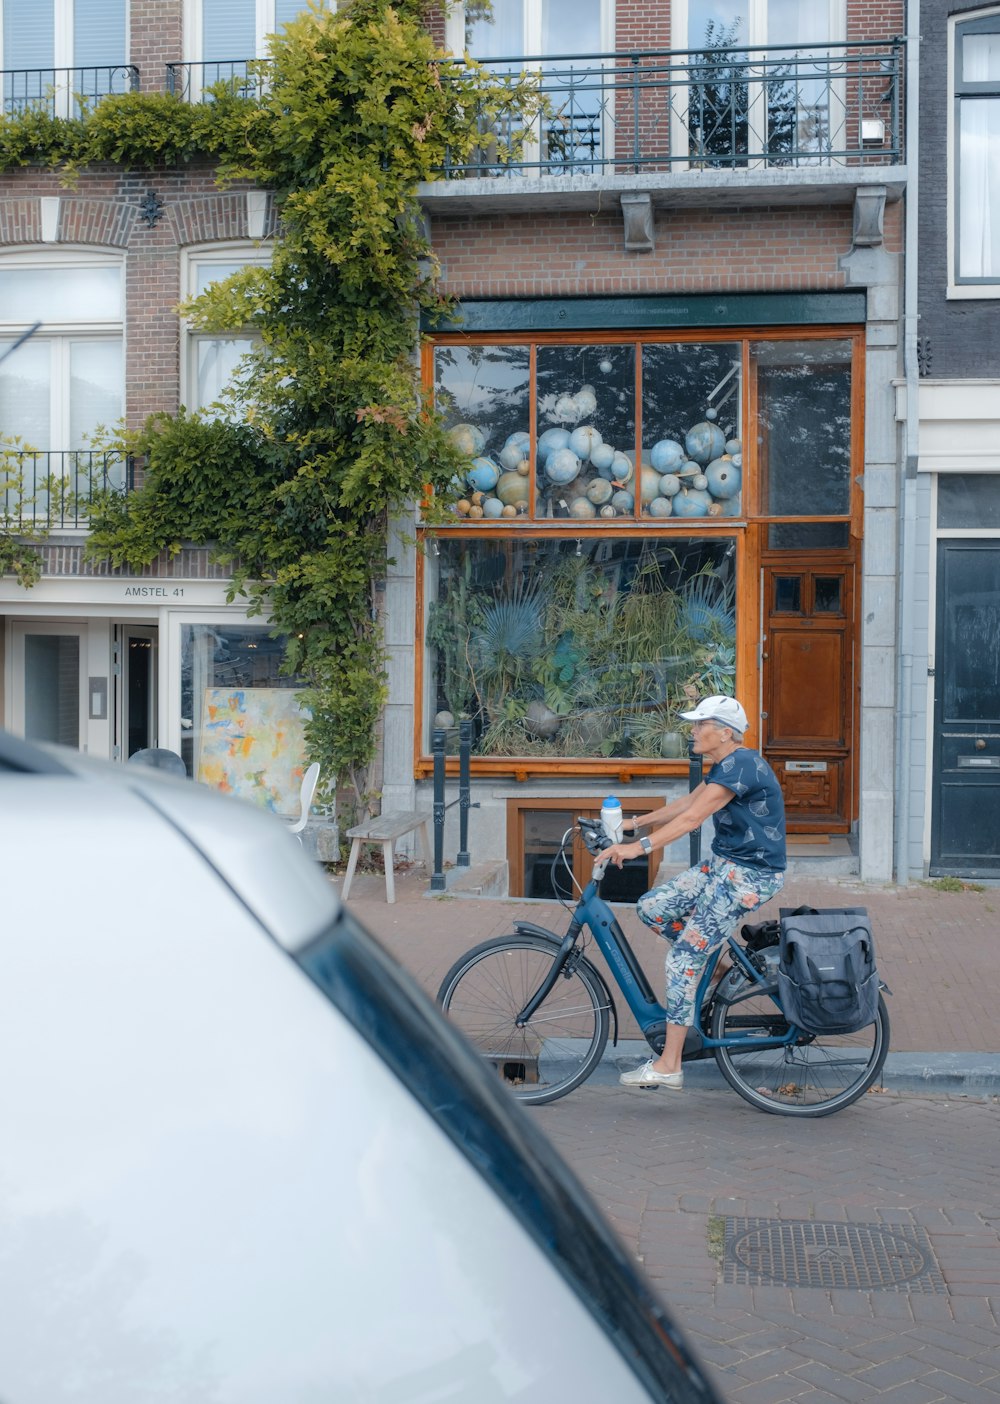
(697, 910)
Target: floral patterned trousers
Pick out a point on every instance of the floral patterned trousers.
(696, 912)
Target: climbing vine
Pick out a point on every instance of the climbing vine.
(325, 432)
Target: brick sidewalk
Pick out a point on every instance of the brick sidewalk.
(939, 952)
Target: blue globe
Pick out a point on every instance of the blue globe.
(691, 504)
(704, 442)
(483, 475)
(666, 456)
(551, 440)
(562, 466)
(723, 478)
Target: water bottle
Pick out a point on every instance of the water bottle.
(611, 819)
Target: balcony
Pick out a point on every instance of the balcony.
(193, 82)
(752, 121)
(45, 490)
(63, 92)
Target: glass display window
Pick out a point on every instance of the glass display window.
(587, 648)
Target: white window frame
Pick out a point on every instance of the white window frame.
(63, 44)
(756, 39)
(964, 289)
(531, 47)
(264, 25)
(60, 334)
(201, 256)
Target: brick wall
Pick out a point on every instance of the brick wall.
(156, 38)
(702, 250)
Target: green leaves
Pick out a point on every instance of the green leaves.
(327, 430)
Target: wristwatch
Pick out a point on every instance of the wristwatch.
(645, 844)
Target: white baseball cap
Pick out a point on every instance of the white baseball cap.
(721, 709)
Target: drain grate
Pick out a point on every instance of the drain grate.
(807, 1253)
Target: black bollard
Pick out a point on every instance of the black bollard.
(694, 780)
(437, 747)
(462, 859)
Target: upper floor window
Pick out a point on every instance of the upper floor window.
(764, 81)
(64, 383)
(212, 357)
(540, 28)
(55, 51)
(976, 168)
(233, 30)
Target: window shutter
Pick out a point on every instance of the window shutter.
(28, 33)
(98, 33)
(228, 31)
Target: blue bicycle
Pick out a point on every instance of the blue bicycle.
(540, 1010)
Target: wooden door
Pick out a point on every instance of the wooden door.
(808, 691)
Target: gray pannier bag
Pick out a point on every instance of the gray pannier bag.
(827, 980)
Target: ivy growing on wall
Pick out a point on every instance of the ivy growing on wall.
(325, 432)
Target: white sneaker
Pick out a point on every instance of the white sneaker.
(647, 1076)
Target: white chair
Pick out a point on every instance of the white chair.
(309, 782)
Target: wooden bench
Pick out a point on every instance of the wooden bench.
(386, 829)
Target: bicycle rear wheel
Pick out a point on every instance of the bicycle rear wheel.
(487, 988)
(817, 1075)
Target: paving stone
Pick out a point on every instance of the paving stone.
(952, 1387)
(659, 1171)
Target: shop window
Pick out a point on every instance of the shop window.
(803, 393)
(560, 442)
(558, 648)
(976, 163)
(241, 728)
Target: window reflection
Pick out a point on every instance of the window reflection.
(804, 427)
(788, 594)
(555, 648)
(218, 659)
(692, 446)
(828, 594)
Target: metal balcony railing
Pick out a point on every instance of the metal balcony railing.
(49, 490)
(724, 108)
(63, 92)
(192, 82)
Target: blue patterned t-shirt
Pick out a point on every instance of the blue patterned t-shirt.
(751, 827)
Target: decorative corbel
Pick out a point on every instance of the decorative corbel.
(869, 211)
(637, 211)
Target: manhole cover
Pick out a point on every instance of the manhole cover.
(807, 1253)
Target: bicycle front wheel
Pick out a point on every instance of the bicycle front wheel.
(486, 989)
(816, 1075)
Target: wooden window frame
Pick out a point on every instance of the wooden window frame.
(748, 531)
(583, 863)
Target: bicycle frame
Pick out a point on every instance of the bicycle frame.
(594, 913)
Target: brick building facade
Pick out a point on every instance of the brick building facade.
(710, 229)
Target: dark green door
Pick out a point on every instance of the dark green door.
(965, 821)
